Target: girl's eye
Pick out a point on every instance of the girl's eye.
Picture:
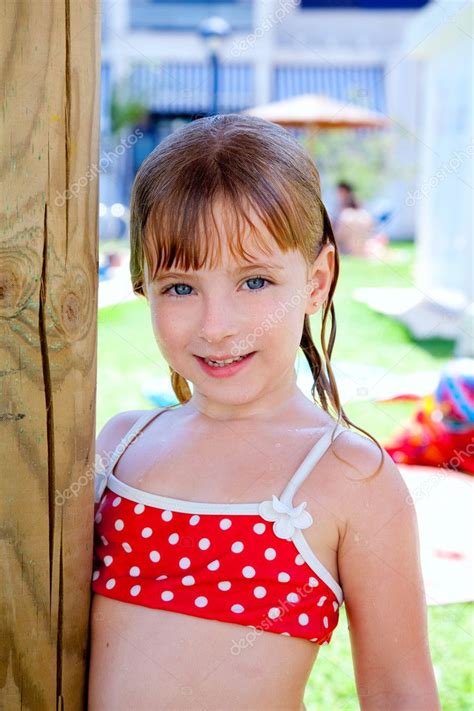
(257, 279)
(176, 286)
(186, 286)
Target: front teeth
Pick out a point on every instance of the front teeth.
(222, 363)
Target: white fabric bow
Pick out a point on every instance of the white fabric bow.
(286, 518)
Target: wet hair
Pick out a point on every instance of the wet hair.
(242, 161)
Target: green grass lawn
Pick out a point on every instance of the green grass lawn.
(128, 357)
(450, 628)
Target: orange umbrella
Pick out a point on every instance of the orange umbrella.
(318, 111)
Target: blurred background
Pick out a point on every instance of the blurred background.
(380, 94)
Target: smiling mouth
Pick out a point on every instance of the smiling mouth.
(227, 361)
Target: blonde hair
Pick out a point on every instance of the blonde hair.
(241, 160)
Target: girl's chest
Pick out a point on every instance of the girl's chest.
(224, 476)
(236, 468)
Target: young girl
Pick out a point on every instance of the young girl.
(230, 528)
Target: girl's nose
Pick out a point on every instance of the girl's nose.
(218, 322)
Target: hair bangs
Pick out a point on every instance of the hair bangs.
(183, 232)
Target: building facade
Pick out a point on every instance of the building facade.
(346, 49)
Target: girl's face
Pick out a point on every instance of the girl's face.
(254, 310)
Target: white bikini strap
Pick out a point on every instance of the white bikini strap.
(307, 465)
(102, 473)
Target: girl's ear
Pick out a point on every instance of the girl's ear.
(320, 276)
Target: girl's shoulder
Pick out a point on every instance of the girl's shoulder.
(116, 428)
(121, 429)
(369, 481)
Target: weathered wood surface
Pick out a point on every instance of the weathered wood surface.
(49, 129)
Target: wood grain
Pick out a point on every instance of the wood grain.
(50, 61)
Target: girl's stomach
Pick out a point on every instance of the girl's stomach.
(148, 660)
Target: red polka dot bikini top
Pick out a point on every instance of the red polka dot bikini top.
(249, 563)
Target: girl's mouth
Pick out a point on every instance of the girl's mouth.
(223, 371)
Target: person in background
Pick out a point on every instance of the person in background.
(353, 224)
(355, 229)
(346, 196)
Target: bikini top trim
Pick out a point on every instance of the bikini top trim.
(288, 520)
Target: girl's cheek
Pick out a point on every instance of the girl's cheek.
(172, 327)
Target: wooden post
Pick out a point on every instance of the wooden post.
(49, 131)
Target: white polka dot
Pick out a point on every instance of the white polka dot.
(270, 553)
(325, 621)
(95, 575)
(287, 634)
(110, 584)
(147, 532)
(134, 571)
(313, 639)
(292, 597)
(104, 540)
(225, 523)
(184, 563)
(314, 582)
(237, 547)
(119, 524)
(139, 509)
(98, 517)
(194, 520)
(135, 590)
(201, 601)
(173, 539)
(188, 580)
(283, 577)
(259, 591)
(248, 571)
(325, 642)
(259, 528)
(274, 612)
(237, 608)
(322, 600)
(154, 556)
(335, 606)
(116, 501)
(167, 595)
(214, 565)
(166, 515)
(108, 560)
(299, 560)
(204, 544)
(127, 547)
(303, 619)
(162, 577)
(224, 585)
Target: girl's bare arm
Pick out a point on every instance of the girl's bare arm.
(379, 567)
